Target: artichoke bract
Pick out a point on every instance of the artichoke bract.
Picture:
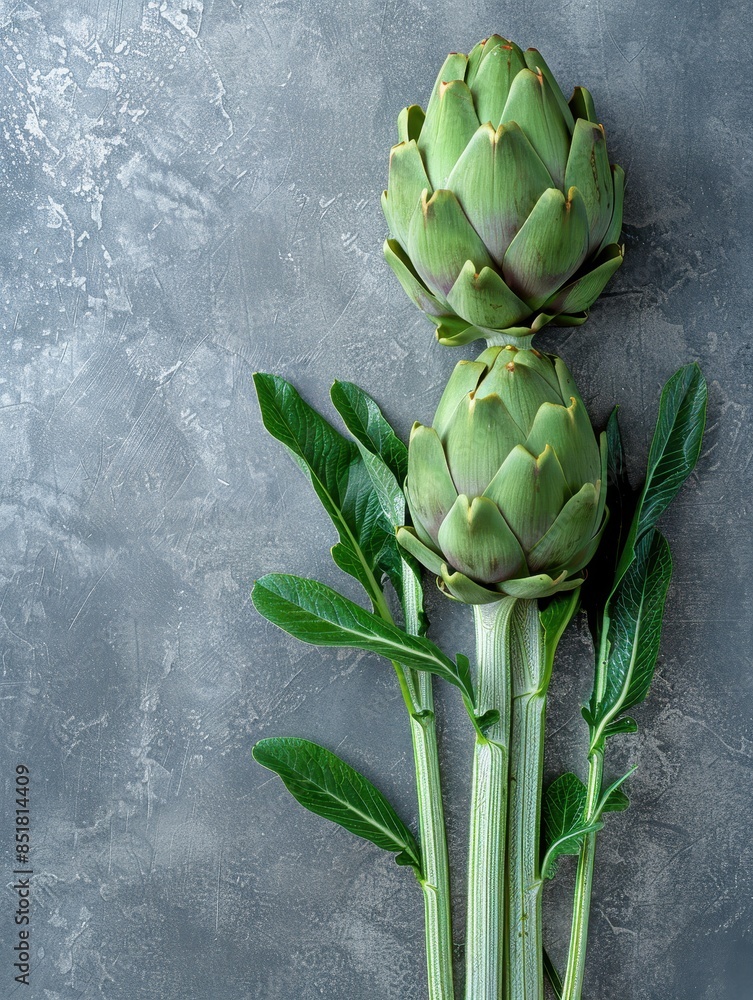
(507, 488)
(503, 209)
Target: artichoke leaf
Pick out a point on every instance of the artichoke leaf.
(588, 169)
(477, 540)
(407, 181)
(484, 299)
(479, 437)
(450, 124)
(491, 85)
(401, 264)
(498, 180)
(535, 62)
(530, 491)
(532, 104)
(550, 246)
(581, 294)
(410, 122)
(571, 529)
(427, 465)
(441, 240)
(615, 226)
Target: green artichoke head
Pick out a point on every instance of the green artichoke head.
(504, 212)
(507, 488)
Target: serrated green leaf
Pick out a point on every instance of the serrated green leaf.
(634, 632)
(386, 487)
(488, 719)
(619, 726)
(564, 823)
(555, 618)
(614, 799)
(336, 471)
(366, 423)
(674, 452)
(617, 801)
(314, 613)
(324, 784)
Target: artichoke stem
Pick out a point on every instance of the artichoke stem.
(525, 972)
(576, 958)
(435, 880)
(484, 948)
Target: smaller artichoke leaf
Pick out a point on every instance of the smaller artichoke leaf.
(478, 439)
(434, 306)
(532, 104)
(581, 294)
(539, 586)
(621, 726)
(614, 799)
(420, 528)
(410, 121)
(583, 557)
(428, 558)
(314, 613)
(570, 531)
(588, 169)
(563, 319)
(487, 720)
(530, 491)
(582, 105)
(431, 493)
(450, 125)
(461, 588)
(520, 387)
(476, 539)
(441, 240)
(541, 364)
(407, 182)
(568, 432)
(485, 300)
(563, 821)
(474, 61)
(326, 785)
(365, 421)
(498, 179)
(493, 80)
(464, 378)
(550, 246)
(614, 230)
(535, 62)
(454, 332)
(453, 68)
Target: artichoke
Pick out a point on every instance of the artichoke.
(504, 212)
(507, 488)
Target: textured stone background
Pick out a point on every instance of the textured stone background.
(190, 193)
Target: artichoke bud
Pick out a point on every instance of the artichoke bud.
(507, 488)
(503, 209)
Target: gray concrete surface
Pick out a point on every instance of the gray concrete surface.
(190, 192)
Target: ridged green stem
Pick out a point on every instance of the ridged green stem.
(576, 958)
(435, 883)
(484, 947)
(525, 969)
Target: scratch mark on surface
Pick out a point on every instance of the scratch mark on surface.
(97, 583)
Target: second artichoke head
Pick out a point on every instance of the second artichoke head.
(507, 488)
